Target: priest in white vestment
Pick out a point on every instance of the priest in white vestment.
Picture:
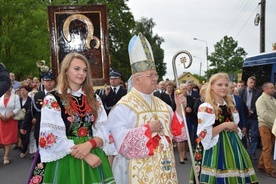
(142, 125)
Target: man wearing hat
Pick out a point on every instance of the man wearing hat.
(33, 115)
(142, 125)
(113, 93)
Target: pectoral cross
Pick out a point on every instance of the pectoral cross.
(155, 117)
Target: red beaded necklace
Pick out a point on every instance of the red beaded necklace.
(80, 109)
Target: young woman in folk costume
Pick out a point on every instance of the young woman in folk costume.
(223, 158)
(73, 129)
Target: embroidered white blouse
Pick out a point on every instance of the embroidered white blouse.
(53, 143)
(208, 118)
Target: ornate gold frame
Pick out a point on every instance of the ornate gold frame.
(81, 29)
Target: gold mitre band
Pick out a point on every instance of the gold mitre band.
(140, 54)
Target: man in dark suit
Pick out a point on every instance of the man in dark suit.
(33, 115)
(113, 93)
(190, 91)
(249, 95)
(5, 81)
(160, 93)
(170, 88)
(240, 107)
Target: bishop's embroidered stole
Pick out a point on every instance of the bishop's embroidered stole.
(159, 168)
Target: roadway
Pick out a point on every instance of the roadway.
(18, 170)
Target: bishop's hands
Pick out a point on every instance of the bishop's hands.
(180, 99)
(155, 126)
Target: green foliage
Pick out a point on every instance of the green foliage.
(200, 78)
(121, 22)
(145, 26)
(227, 57)
(24, 36)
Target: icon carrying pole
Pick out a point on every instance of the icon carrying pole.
(186, 65)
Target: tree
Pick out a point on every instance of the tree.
(145, 26)
(23, 35)
(227, 57)
(121, 22)
(202, 79)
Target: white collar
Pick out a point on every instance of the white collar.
(223, 103)
(147, 97)
(115, 87)
(45, 91)
(76, 93)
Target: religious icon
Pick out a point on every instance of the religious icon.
(81, 29)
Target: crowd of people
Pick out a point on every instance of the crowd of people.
(127, 134)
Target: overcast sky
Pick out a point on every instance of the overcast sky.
(179, 21)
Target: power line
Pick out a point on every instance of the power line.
(246, 21)
(240, 18)
(232, 16)
(235, 17)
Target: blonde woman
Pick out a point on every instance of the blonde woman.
(223, 152)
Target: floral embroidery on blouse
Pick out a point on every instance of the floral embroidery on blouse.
(47, 140)
(51, 103)
(200, 120)
(201, 136)
(205, 109)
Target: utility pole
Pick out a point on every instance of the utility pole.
(200, 65)
(262, 27)
(206, 51)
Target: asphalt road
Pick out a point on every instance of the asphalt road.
(18, 170)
